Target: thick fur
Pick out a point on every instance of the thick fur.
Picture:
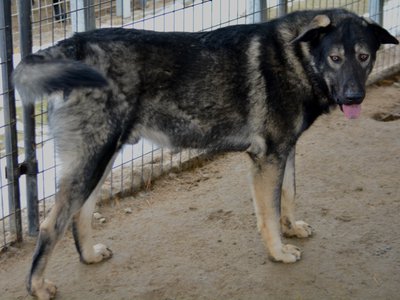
(253, 88)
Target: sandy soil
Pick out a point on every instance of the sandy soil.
(193, 235)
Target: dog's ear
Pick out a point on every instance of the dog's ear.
(313, 29)
(383, 36)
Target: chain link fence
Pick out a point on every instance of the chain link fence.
(25, 145)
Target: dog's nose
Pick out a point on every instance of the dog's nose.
(353, 92)
(354, 97)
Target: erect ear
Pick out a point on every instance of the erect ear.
(383, 36)
(313, 29)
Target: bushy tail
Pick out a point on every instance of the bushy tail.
(37, 75)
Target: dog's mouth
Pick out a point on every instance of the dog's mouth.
(349, 102)
(351, 111)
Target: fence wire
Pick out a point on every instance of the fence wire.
(54, 20)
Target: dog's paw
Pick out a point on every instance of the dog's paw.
(98, 253)
(44, 290)
(300, 229)
(102, 252)
(287, 254)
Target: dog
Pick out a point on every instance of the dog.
(253, 88)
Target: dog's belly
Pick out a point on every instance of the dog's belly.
(180, 138)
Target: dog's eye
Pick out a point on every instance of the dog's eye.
(363, 57)
(335, 58)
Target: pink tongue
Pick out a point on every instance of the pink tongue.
(352, 111)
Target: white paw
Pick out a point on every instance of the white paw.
(102, 252)
(44, 290)
(287, 254)
(98, 253)
(299, 229)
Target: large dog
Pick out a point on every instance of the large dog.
(253, 88)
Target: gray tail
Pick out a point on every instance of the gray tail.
(37, 75)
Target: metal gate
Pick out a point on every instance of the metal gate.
(28, 163)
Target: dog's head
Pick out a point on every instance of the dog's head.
(343, 51)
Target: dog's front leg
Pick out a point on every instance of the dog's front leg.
(267, 176)
(291, 227)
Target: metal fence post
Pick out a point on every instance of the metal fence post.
(123, 8)
(11, 137)
(256, 12)
(282, 8)
(264, 10)
(30, 163)
(375, 8)
(83, 17)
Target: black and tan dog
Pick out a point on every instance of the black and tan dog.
(253, 88)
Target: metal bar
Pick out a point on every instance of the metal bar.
(11, 137)
(124, 8)
(82, 15)
(253, 11)
(25, 29)
(282, 8)
(263, 10)
(376, 11)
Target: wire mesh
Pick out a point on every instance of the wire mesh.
(54, 20)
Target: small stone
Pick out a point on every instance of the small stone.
(172, 175)
(102, 220)
(97, 216)
(128, 210)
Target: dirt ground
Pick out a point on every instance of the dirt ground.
(193, 234)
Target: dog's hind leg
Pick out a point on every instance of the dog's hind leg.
(291, 227)
(84, 169)
(90, 252)
(266, 189)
